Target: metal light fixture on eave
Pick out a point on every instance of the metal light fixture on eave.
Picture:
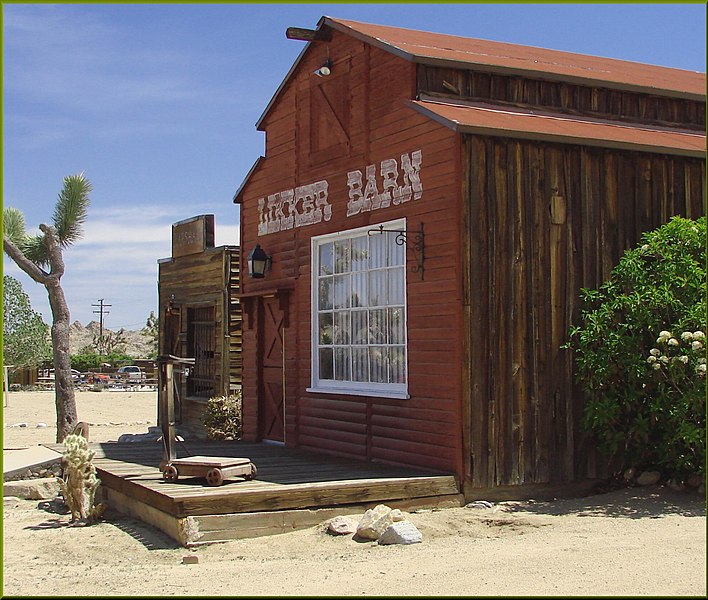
(258, 262)
(325, 69)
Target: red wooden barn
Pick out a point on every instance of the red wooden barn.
(431, 206)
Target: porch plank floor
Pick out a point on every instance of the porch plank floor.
(287, 480)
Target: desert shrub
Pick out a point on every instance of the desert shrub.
(222, 417)
(643, 415)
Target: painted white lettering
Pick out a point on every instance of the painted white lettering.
(357, 202)
(304, 205)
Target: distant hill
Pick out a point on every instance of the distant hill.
(138, 345)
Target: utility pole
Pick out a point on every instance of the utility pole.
(101, 311)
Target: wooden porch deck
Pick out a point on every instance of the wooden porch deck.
(293, 489)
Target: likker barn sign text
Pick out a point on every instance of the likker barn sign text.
(309, 204)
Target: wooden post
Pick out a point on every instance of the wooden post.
(6, 385)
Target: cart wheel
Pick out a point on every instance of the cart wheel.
(170, 473)
(252, 474)
(214, 477)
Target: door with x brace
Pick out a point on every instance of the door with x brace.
(271, 398)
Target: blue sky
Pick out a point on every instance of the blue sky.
(157, 105)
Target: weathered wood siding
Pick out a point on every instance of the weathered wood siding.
(209, 278)
(541, 222)
(321, 129)
(562, 97)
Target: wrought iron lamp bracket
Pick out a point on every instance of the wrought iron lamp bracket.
(414, 239)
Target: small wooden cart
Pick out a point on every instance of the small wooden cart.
(214, 468)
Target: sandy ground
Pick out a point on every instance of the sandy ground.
(633, 541)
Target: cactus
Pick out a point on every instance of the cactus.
(79, 482)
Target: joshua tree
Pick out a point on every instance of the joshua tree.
(34, 254)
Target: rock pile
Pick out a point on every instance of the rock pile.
(381, 523)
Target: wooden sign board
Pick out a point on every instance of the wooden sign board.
(192, 236)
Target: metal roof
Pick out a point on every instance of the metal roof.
(485, 119)
(511, 59)
(461, 52)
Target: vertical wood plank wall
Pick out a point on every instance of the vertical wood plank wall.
(541, 222)
(207, 278)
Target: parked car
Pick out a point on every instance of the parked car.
(75, 375)
(130, 372)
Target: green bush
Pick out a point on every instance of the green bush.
(222, 417)
(90, 361)
(641, 414)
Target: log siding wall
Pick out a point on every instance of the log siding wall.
(425, 429)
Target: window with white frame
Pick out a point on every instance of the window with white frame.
(359, 313)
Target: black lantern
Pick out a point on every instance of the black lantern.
(258, 262)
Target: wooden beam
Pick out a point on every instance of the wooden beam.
(308, 35)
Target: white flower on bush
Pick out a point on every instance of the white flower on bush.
(656, 366)
(655, 352)
(701, 369)
(673, 342)
(651, 359)
(664, 359)
(681, 359)
(696, 345)
(663, 337)
(699, 335)
(686, 336)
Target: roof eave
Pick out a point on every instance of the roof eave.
(252, 170)
(464, 128)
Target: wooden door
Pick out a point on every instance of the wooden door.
(271, 398)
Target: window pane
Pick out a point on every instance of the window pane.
(342, 256)
(395, 326)
(397, 361)
(325, 293)
(396, 286)
(377, 288)
(378, 359)
(377, 250)
(377, 327)
(342, 370)
(360, 327)
(341, 291)
(359, 289)
(360, 253)
(360, 364)
(342, 328)
(326, 334)
(326, 363)
(326, 260)
(396, 252)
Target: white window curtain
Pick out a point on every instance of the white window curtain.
(359, 312)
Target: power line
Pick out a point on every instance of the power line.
(101, 311)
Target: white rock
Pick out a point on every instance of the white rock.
(479, 504)
(402, 532)
(41, 425)
(342, 525)
(648, 477)
(376, 520)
